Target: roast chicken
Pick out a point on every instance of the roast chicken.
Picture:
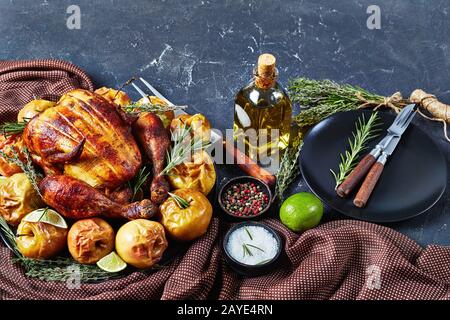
(84, 137)
(86, 148)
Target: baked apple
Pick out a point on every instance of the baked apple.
(188, 222)
(89, 240)
(39, 240)
(33, 108)
(141, 243)
(200, 126)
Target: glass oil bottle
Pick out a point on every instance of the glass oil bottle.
(262, 114)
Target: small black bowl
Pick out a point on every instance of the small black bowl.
(251, 270)
(243, 179)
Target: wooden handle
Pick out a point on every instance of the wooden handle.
(360, 171)
(249, 166)
(368, 185)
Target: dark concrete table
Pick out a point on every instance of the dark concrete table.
(201, 52)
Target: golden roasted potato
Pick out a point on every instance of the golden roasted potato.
(17, 198)
(33, 108)
(198, 174)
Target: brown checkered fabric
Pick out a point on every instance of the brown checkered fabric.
(337, 260)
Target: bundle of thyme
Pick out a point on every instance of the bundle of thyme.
(322, 98)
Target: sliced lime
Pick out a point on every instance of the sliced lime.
(112, 263)
(46, 216)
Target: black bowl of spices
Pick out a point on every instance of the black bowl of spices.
(245, 197)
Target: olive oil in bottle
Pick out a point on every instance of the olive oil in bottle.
(262, 115)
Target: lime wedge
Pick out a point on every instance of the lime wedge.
(46, 216)
(111, 263)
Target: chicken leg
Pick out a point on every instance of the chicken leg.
(77, 200)
(154, 138)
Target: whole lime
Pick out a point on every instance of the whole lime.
(301, 211)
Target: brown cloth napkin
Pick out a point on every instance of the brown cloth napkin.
(338, 260)
(21, 81)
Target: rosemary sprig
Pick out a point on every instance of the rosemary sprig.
(321, 98)
(183, 147)
(248, 232)
(138, 181)
(150, 107)
(263, 262)
(11, 128)
(182, 203)
(246, 250)
(27, 166)
(288, 170)
(364, 132)
(255, 247)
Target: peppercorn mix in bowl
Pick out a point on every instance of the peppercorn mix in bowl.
(245, 197)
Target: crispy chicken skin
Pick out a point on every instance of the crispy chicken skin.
(77, 200)
(84, 137)
(154, 139)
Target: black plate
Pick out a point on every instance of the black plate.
(413, 180)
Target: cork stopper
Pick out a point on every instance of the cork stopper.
(266, 71)
(266, 65)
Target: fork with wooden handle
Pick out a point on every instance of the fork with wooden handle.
(372, 165)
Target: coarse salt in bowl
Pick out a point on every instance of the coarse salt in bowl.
(251, 248)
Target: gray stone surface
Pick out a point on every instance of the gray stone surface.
(201, 52)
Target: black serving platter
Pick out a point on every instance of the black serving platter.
(413, 180)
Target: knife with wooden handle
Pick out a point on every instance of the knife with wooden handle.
(385, 147)
(370, 182)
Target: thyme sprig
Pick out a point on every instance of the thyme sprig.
(150, 107)
(183, 147)
(365, 131)
(26, 166)
(60, 268)
(138, 181)
(288, 170)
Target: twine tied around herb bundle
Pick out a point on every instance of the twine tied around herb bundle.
(395, 102)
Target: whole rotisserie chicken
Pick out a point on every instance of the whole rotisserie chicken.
(85, 137)
(87, 150)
